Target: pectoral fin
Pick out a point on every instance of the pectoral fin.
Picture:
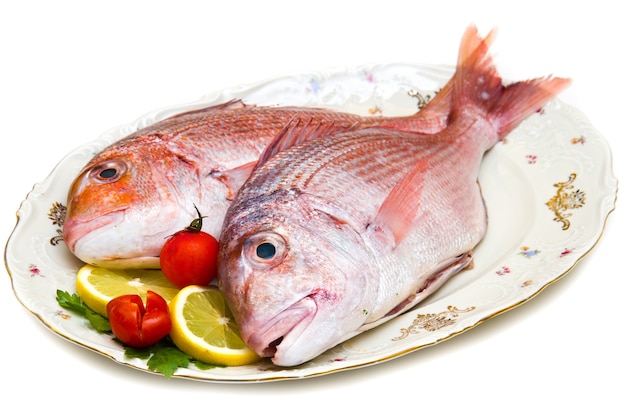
(400, 208)
(234, 178)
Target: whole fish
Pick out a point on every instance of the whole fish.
(143, 188)
(334, 236)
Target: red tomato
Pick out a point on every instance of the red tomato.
(138, 326)
(189, 257)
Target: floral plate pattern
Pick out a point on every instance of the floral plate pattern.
(548, 187)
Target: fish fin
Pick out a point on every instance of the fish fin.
(399, 209)
(227, 105)
(521, 99)
(437, 110)
(450, 268)
(431, 285)
(472, 44)
(478, 83)
(299, 130)
(234, 178)
(432, 118)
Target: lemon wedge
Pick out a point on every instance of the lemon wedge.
(96, 286)
(204, 328)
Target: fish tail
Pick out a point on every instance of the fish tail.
(523, 98)
(433, 117)
(479, 84)
(473, 47)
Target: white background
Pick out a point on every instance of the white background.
(70, 70)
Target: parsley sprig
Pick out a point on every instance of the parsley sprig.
(163, 357)
(73, 303)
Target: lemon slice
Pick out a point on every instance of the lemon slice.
(204, 328)
(97, 286)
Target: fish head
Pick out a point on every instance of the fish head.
(123, 204)
(292, 276)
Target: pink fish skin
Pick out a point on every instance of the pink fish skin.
(334, 236)
(143, 188)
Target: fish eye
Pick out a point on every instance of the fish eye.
(109, 171)
(265, 249)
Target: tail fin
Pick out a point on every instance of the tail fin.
(523, 98)
(474, 64)
(437, 110)
(478, 84)
(473, 53)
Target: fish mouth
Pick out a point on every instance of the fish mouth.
(284, 329)
(74, 230)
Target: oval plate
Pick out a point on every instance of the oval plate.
(548, 187)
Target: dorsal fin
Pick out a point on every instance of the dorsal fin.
(299, 130)
(235, 103)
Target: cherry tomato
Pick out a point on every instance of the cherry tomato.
(138, 326)
(189, 257)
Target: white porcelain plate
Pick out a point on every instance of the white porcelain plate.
(548, 187)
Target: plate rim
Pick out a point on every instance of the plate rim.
(26, 208)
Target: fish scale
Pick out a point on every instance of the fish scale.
(121, 220)
(195, 159)
(328, 161)
(334, 236)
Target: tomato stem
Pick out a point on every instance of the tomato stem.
(196, 224)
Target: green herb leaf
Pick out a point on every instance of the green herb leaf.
(167, 360)
(130, 352)
(163, 357)
(203, 366)
(71, 302)
(98, 322)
